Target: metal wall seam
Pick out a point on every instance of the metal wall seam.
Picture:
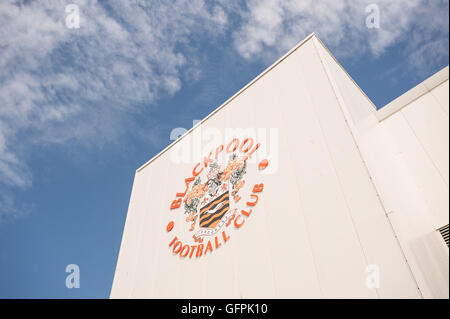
(354, 133)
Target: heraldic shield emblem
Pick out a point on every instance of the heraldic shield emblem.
(211, 214)
(209, 205)
(212, 202)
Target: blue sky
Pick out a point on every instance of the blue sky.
(81, 109)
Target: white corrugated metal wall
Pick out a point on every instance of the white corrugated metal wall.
(406, 149)
(319, 222)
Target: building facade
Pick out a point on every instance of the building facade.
(297, 187)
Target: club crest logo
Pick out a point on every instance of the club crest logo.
(212, 202)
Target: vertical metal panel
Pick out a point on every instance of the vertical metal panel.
(150, 228)
(421, 168)
(369, 217)
(419, 137)
(125, 272)
(293, 262)
(430, 125)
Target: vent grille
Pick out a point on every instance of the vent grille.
(444, 232)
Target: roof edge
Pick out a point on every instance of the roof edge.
(346, 73)
(413, 94)
(229, 100)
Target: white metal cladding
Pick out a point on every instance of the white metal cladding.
(405, 147)
(408, 155)
(336, 176)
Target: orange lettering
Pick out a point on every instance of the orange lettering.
(187, 251)
(254, 203)
(248, 147)
(209, 247)
(194, 172)
(176, 203)
(218, 150)
(208, 159)
(246, 213)
(258, 188)
(225, 237)
(192, 250)
(254, 149)
(175, 250)
(217, 242)
(199, 250)
(234, 140)
(187, 182)
(174, 240)
(236, 224)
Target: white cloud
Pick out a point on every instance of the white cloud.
(11, 169)
(424, 58)
(271, 27)
(65, 84)
(61, 84)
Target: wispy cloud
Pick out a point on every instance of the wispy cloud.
(63, 84)
(10, 209)
(271, 27)
(59, 84)
(12, 170)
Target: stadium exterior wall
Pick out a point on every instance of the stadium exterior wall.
(349, 206)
